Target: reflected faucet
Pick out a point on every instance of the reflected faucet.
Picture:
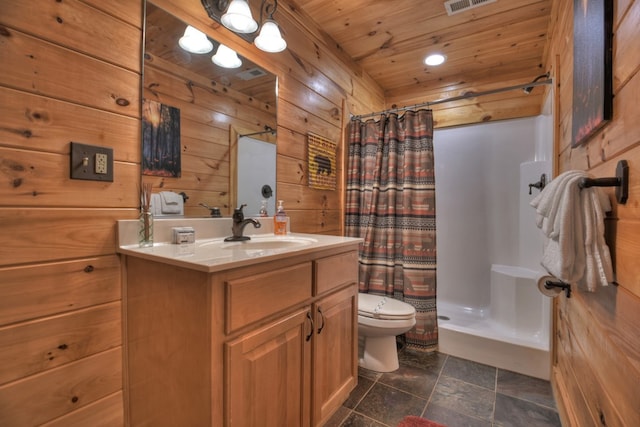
(239, 222)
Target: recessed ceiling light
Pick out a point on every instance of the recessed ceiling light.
(435, 59)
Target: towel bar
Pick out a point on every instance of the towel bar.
(620, 181)
(564, 286)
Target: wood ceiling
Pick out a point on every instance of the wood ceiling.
(494, 45)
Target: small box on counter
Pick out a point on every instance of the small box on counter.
(183, 235)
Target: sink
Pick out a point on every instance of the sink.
(269, 242)
(260, 244)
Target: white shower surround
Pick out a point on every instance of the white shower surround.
(489, 248)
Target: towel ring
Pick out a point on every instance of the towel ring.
(620, 181)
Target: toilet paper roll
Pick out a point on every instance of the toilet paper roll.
(549, 292)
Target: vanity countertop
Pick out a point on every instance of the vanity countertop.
(213, 254)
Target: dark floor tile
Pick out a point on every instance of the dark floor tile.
(412, 380)
(451, 418)
(513, 412)
(366, 373)
(388, 405)
(338, 418)
(470, 372)
(357, 420)
(364, 384)
(525, 387)
(431, 362)
(468, 399)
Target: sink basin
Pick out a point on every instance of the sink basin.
(269, 242)
(263, 244)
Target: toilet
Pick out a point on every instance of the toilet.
(380, 320)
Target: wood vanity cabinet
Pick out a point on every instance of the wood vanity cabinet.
(270, 344)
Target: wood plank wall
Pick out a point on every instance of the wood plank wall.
(71, 71)
(596, 366)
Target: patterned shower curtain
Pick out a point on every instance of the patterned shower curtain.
(391, 205)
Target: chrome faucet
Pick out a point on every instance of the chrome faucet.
(239, 222)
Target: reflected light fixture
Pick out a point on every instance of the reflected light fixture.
(195, 41)
(226, 57)
(435, 59)
(237, 18)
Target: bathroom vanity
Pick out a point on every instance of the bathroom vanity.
(261, 334)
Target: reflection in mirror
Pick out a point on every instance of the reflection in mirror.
(216, 107)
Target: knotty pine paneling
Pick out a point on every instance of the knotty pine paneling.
(596, 372)
(71, 72)
(44, 68)
(64, 23)
(34, 122)
(64, 85)
(53, 342)
(40, 234)
(39, 290)
(106, 412)
(42, 179)
(40, 398)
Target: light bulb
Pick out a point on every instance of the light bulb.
(238, 18)
(270, 39)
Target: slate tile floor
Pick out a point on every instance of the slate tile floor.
(449, 390)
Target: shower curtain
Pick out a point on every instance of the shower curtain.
(390, 203)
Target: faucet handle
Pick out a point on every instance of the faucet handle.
(238, 215)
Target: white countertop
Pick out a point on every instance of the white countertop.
(213, 254)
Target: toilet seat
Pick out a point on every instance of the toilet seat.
(381, 307)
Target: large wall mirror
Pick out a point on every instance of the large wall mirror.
(209, 131)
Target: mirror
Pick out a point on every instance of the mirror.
(194, 115)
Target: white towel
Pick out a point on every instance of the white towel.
(170, 202)
(573, 220)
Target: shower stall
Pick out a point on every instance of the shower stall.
(489, 248)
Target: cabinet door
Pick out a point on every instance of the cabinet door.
(268, 374)
(335, 351)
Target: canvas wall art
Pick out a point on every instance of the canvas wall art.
(160, 140)
(592, 68)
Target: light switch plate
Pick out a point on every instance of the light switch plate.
(91, 162)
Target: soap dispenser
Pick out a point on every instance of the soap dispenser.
(280, 220)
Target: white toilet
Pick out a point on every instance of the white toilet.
(380, 320)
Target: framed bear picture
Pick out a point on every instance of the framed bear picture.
(321, 162)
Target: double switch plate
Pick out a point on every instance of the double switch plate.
(91, 162)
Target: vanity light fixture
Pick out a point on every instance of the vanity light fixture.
(195, 41)
(236, 16)
(270, 39)
(226, 57)
(435, 59)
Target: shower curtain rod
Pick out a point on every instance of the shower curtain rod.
(456, 98)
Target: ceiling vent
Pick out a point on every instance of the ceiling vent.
(251, 74)
(457, 6)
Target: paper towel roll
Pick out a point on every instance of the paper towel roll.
(549, 292)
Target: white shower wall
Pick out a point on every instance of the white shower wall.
(479, 190)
